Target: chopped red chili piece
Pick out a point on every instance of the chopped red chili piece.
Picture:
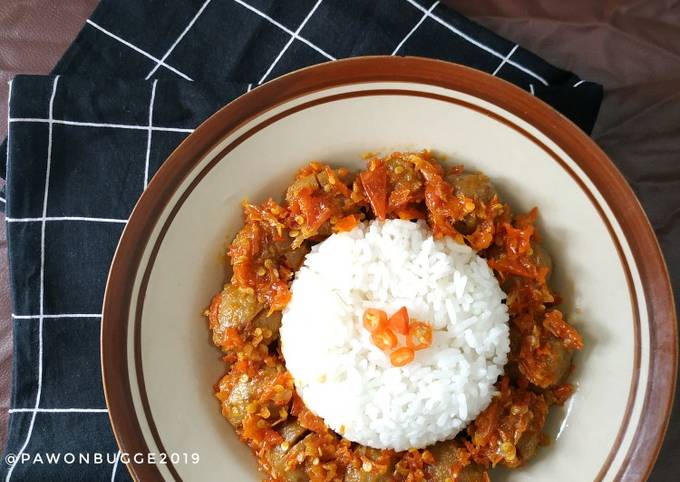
(402, 356)
(419, 335)
(384, 339)
(374, 319)
(399, 321)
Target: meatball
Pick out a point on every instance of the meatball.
(546, 364)
(292, 432)
(236, 391)
(510, 429)
(238, 308)
(449, 454)
(358, 474)
(269, 324)
(234, 307)
(474, 185)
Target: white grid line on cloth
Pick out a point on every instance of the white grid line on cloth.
(137, 49)
(479, 44)
(579, 83)
(9, 98)
(290, 41)
(58, 410)
(42, 280)
(65, 218)
(58, 315)
(531, 89)
(505, 60)
(177, 41)
(3, 199)
(99, 124)
(285, 29)
(115, 467)
(148, 136)
(415, 27)
(250, 87)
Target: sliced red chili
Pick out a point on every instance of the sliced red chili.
(402, 356)
(399, 321)
(384, 338)
(347, 223)
(374, 319)
(419, 335)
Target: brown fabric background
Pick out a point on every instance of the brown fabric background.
(632, 47)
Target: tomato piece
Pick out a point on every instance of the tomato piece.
(411, 212)
(402, 356)
(272, 437)
(374, 182)
(399, 321)
(419, 335)
(347, 223)
(555, 324)
(315, 209)
(374, 319)
(214, 309)
(297, 406)
(384, 338)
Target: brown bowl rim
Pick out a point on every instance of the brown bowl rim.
(656, 409)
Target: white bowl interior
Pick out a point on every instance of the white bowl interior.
(181, 366)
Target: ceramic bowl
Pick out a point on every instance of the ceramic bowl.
(159, 366)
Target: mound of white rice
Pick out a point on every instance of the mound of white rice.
(348, 381)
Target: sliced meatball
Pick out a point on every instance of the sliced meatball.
(546, 364)
(236, 391)
(234, 307)
(307, 182)
(530, 440)
(358, 474)
(406, 186)
(293, 461)
(269, 324)
(449, 454)
(292, 432)
(509, 430)
(528, 444)
(474, 185)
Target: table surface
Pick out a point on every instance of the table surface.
(632, 47)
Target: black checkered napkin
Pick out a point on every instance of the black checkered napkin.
(84, 143)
